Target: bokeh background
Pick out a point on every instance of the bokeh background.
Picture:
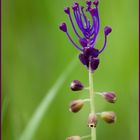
(35, 53)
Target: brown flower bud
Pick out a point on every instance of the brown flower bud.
(110, 97)
(76, 105)
(92, 120)
(76, 85)
(74, 138)
(109, 117)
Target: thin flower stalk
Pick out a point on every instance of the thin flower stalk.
(92, 106)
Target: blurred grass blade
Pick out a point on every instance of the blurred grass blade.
(35, 120)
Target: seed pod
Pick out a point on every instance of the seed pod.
(76, 85)
(109, 117)
(76, 105)
(92, 120)
(110, 97)
(74, 138)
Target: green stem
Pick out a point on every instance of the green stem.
(92, 107)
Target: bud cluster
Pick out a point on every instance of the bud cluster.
(76, 105)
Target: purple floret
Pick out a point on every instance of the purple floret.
(63, 27)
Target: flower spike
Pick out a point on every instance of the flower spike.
(89, 57)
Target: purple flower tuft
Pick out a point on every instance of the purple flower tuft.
(89, 29)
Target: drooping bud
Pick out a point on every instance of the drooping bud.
(63, 27)
(76, 105)
(74, 138)
(84, 59)
(67, 10)
(109, 117)
(94, 63)
(76, 85)
(107, 30)
(109, 96)
(96, 2)
(92, 120)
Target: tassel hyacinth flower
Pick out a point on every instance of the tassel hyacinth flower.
(90, 30)
(89, 57)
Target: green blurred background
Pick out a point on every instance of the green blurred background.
(35, 53)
